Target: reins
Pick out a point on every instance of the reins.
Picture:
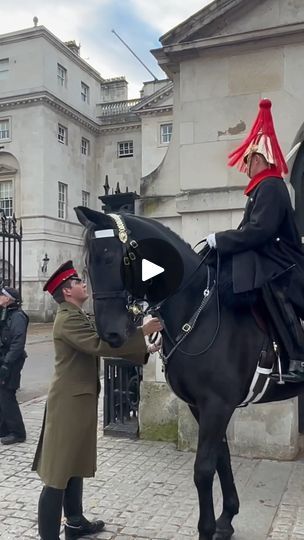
(128, 248)
(188, 327)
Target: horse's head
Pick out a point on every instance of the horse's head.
(116, 246)
(105, 253)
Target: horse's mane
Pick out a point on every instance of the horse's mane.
(92, 227)
(164, 227)
(88, 234)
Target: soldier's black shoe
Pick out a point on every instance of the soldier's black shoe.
(12, 439)
(82, 527)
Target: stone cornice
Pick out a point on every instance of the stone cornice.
(46, 98)
(120, 127)
(155, 111)
(152, 104)
(41, 31)
(170, 56)
(201, 19)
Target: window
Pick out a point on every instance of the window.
(6, 197)
(85, 91)
(4, 68)
(62, 200)
(61, 75)
(85, 198)
(62, 134)
(125, 149)
(85, 146)
(165, 133)
(4, 129)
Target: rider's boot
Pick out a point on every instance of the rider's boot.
(289, 330)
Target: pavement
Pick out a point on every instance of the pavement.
(144, 490)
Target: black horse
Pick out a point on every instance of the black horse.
(212, 351)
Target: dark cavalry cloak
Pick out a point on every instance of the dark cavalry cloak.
(266, 243)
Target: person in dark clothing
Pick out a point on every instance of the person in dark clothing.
(265, 252)
(13, 328)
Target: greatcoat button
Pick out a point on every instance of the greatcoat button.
(278, 239)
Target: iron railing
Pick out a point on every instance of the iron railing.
(121, 397)
(116, 107)
(11, 252)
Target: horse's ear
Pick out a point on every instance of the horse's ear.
(87, 217)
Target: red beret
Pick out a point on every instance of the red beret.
(64, 272)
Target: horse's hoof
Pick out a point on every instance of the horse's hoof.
(223, 534)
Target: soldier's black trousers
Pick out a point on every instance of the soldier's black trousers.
(284, 320)
(10, 415)
(50, 506)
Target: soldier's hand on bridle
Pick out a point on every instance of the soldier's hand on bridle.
(153, 347)
(151, 326)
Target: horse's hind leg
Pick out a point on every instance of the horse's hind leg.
(214, 416)
(224, 529)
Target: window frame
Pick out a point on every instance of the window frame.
(85, 147)
(85, 198)
(9, 198)
(64, 202)
(85, 92)
(161, 134)
(4, 68)
(124, 153)
(62, 81)
(9, 138)
(64, 136)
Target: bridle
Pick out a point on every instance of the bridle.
(129, 247)
(129, 254)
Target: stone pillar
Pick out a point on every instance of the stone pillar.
(158, 407)
(267, 431)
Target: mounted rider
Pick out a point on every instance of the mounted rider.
(265, 252)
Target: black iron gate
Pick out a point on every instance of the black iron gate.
(121, 378)
(121, 397)
(11, 252)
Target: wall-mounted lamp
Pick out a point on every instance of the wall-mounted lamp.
(45, 261)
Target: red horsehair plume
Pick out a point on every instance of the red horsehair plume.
(261, 132)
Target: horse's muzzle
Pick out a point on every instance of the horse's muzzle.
(113, 339)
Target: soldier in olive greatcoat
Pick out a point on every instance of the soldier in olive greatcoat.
(66, 451)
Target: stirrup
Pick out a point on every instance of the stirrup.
(277, 376)
(295, 374)
(293, 377)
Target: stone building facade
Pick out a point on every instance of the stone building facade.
(222, 60)
(63, 129)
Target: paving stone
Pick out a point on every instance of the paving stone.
(145, 491)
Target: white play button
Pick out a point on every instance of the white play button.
(150, 270)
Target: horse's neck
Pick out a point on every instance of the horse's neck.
(180, 307)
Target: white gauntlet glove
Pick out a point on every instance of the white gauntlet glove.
(154, 342)
(211, 240)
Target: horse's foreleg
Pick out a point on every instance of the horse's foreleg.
(214, 416)
(224, 529)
